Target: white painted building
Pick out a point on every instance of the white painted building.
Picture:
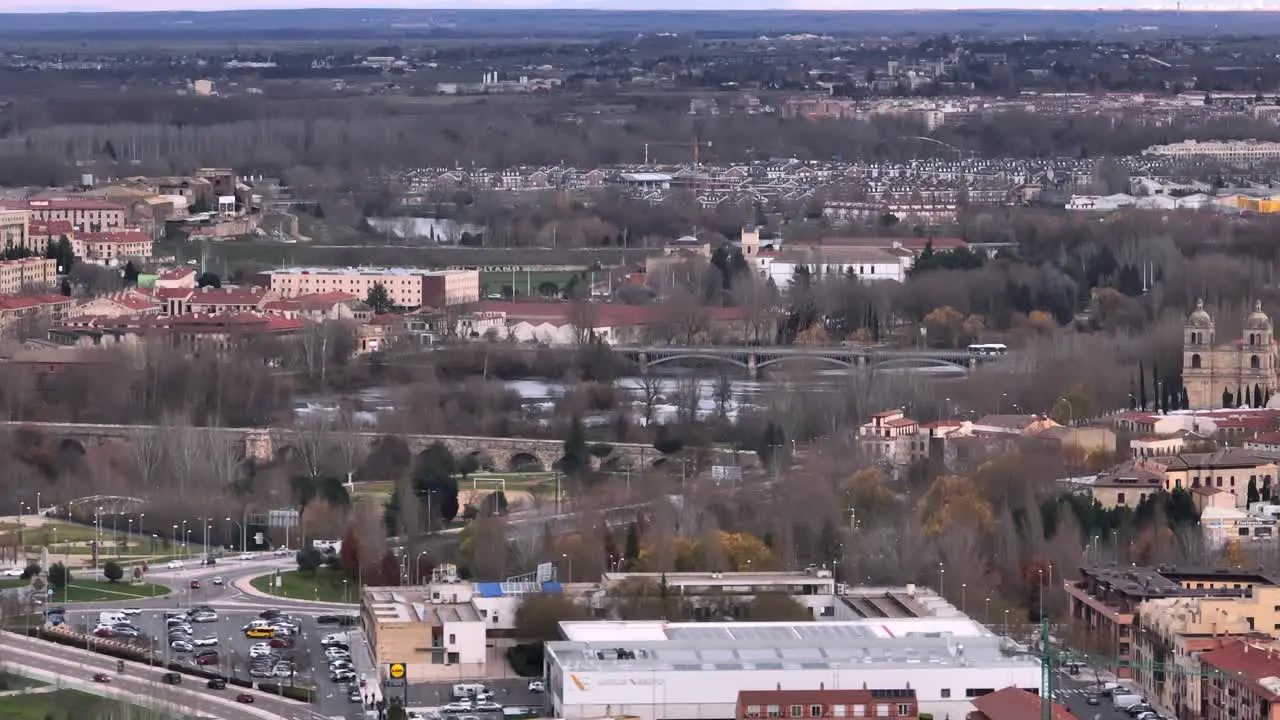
(655, 670)
(861, 263)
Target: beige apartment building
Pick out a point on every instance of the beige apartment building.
(14, 226)
(111, 249)
(27, 275)
(407, 287)
(87, 214)
(1172, 631)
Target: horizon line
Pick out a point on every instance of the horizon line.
(503, 6)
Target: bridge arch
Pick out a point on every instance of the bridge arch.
(907, 363)
(526, 461)
(819, 357)
(69, 444)
(663, 359)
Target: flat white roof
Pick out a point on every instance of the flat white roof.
(623, 631)
(631, 646)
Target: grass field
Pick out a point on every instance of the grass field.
(67, 705)
(525, 284)
(73, 539)
(10, 682)
(89, 591)
(324, 585)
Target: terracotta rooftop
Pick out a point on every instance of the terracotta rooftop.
(116, 236)
(1013, 703)
(1251, 663)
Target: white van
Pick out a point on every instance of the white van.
(466, 690)
(112, 617)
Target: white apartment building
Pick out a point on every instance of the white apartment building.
(1225, 150)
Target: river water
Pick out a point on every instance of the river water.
(540, 396)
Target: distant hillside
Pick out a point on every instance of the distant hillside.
(510, 23)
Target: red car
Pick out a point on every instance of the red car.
(101, 677)
(103, 632)
(195, 584)
(280, 642)
(244, 698)
(207, 660)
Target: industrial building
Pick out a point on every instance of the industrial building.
(655, 670)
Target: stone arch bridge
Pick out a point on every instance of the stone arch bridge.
(268, 443)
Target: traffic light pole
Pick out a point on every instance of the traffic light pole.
(1046, 672)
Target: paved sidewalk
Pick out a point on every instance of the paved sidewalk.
(244, 585)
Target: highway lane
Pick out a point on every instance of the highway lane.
(145, 681)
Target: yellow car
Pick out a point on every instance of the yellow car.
(260, 633)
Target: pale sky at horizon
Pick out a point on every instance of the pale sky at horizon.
(28, 6)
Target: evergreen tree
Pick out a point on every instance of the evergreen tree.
(577, 458)
(631, 549)
(1155, 384)
(1142, 386)
(1253, 495)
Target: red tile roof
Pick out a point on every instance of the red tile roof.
(227, 296)
(73, 203)
(50, 227)
(24, 302)
(1013, 703)
(177, 273)
(1266, 438)
(115, 237)
(1248, 662)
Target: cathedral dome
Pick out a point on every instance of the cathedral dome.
(1257, 319)
(1200, 318)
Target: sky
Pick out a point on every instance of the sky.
(133, 5)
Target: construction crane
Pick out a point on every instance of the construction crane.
(695, 144)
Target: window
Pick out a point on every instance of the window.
(797, 711)
(815, 711)
(837, 710)
(946, 693)
(904, 710)
(753, 711)
(882, 709)
(1254, 363)
(1195, 362)
(773, 711)
(977, 692)
(1119, 498)
(453, 639)
(859, 710)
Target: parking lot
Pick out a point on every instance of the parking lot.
(234, 650)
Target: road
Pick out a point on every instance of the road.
(1074, 693)
(235, 607)
(144, 681)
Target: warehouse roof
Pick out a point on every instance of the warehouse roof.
(656, 645)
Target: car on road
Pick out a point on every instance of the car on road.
(537, 686)
(175, 565)
(205, 641)
(217, 580)
(282, 552)
(171, 678)
(182, 646)
(342, 675)
(327, 620)
(245, 698)
(131, 611)
(101, 677)
(1093, 700)
(247, 556)
(355, 696)
(216, 683)
(195, 584)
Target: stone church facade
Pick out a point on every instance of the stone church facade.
(1209, 369)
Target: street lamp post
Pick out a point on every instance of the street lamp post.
(128, 531)
(97, 534)
(240, 527)
(964, 591)
(569, 560)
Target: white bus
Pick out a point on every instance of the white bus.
(988, 349)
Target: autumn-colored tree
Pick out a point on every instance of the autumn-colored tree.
(746, 552)
(867, 493)
(349, 554)
(389, 569)
(948, 327)
(951, 498)
(1233, 554)
(1041, 322)
(814, 336)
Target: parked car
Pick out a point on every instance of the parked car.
(131, 611)
(260, 633)
(207, 659)
(537, 686)
(171, 678)
(204, 617)
(205, 641)
(182, 646)
(327, 620)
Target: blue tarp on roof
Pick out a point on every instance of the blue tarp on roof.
(494, 589)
